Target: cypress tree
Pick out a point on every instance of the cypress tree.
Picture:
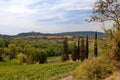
(74, 53)
(95, 45)
(78, 49)
(82, 50)
(65, 55)
(87, 48)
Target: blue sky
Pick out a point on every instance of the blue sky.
(46, 16)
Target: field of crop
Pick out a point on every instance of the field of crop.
(50, 71)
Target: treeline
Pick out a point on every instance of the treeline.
(23, 51)
(80, 49)
(30, 52)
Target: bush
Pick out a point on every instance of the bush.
(21, 58)
(13, 61)
(38, 57)
(94, 69)
(41, 56)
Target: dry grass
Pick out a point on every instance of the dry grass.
(114, 76)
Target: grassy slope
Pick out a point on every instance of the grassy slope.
(36, 72)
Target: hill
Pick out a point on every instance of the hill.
(55, 35)
(82, 33)
(77, 33)
(30, 34)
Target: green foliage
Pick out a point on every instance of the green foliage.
(6, 58)
(94, 69)
(95, 46)
(40, 56)
(12, 48)
(13, 61)
(106, 10)
(115, 51)
(9, 49)
(21, 58)
(65, 54)
(52, 71)
(82, 50)
(74, 53)
(78, 49)
(87, 48)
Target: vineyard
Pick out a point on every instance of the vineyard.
(50, 71)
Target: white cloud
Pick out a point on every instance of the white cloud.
(24, 15)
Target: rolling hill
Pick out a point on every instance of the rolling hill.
(77, 33)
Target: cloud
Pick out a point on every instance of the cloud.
(44, 15)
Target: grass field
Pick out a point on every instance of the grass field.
(54, 59)
(50, 71)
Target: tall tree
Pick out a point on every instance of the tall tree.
(87, 48)
(78, 49)
(65, 55)
(74, 53)
(82, 50)
(95, 45)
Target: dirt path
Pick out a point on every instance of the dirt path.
(67, 78)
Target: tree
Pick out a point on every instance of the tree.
(82, 50)
(105, 10)
(78, 49)
(21, 58)
(95, 45)
(87, 48)
(32, 55)
(12, 48)
(65, 55)
(74, 53)
(109, 10)
(40, 56)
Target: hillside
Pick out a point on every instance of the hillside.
(82, 33)
(30, 34)
(55, 35)
(77, 33)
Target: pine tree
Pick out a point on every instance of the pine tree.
(95, 45)
(65, 55)
(87, 48)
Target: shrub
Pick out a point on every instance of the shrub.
(41, 56)
(21, 58)
(38, 57)
(13, 61)
(94, 69)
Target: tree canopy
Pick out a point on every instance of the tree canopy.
(105, 10)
